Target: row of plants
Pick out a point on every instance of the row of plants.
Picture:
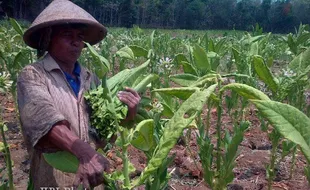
(181, 79)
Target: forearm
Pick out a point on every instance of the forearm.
(91, 164)
(63, 138)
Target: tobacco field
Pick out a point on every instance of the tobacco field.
(219, 109)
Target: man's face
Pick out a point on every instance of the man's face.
(66, 44)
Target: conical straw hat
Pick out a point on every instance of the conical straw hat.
(64, 12)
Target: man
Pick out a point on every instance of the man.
(53, 112)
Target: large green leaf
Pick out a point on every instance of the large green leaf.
(249, 39)
(20, 60)
(181, 92)
(187, 112)
(135, 73)
(125, 52)
(141, 86)
(138, 51)
(167, 112)
(184, 79)
(246, 91)
(128, 77)
(118, 79)
(63, 161)
(201, 59)
(211, 45)
(16, 26)
(188, 68)
(291, 43)
(303, 38)
(264, 73)
(101, 64)
(291, 123)
(179, 58)
(236, 55)
(254, 49)
(220, 45)
(143, 135)
(206, 79)
(301, 62)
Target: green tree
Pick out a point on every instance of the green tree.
(127, 13)
(194, 14)
(281, 17)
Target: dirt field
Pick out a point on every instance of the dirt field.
(249, 172)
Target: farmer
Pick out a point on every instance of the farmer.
(53, 112)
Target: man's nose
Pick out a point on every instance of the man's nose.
(76, 41)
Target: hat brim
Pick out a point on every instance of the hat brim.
(94, 32)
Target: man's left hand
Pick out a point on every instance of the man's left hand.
(132, 99)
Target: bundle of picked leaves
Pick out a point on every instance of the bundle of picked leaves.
(107, 110)
(103, 115)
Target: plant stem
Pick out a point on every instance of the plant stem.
(125, 159)
(218, 131)
(293, 162)
(187, 143)
(113, 65)
(208, 119)
(8, 157)
(275, 143)
(123, 139)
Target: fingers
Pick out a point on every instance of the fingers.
(77, 181)
(86, 184)
(105, 164)
(129, 98)
(93, 180)
(89, 173)
(135, 93)
(107, 167)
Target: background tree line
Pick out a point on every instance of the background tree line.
(272, 15)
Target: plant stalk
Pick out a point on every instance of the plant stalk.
(123, 140)
(125, 159)
(218, 131)
(275, 143)
(8, 158)
(293, 162)
(208, 122)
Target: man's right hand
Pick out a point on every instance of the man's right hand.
(92, 165)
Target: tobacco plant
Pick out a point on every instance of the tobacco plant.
(5, 85)
(288, 88)
(14, 55)
(173, 130)
(142, 137)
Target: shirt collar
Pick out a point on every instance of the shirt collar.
(50, 64)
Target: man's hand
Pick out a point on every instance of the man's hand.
(92, 165)
(132, 99)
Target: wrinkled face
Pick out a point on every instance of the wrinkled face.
(66, 44)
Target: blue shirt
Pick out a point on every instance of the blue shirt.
(75, 83)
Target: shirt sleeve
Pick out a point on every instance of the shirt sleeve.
(36, 109)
